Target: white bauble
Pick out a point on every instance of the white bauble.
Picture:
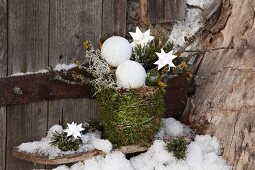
(130, 74)
(116, 50)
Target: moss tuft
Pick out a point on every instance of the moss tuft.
(131, 117)
(65, 143)
(178, 147)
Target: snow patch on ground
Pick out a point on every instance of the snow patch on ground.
(172, 127)
(58, 67)
(202, 154)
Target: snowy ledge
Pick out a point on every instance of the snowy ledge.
(74, 157)
(203, 153)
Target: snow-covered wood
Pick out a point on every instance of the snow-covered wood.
(38, 159)
(225, 97)
(81, 156)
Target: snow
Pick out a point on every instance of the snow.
(103, 145)
(90, 141)
(116, 50)
(113, 161)
(53, 129)
(58, 67)
(172, 127)
(202, 154)
(64, 67)
(192, 23)
(200, 3)
(130, 74)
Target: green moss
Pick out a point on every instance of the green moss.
(130, 117)
(178, 147)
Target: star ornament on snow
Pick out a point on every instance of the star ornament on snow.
(164, 59)
(74, 130)
(140, 38)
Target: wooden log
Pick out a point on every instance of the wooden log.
(38, 87)
(71, 158)
(82, 156)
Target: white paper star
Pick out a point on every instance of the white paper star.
(74, 130)
(140, 38)
(164, 59)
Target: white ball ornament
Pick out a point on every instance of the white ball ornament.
(130, 74)
(116, 50)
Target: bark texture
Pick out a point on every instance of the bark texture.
(225, 97)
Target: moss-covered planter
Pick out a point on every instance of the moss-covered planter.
(131, 116)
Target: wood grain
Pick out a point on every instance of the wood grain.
(225, 97)
(73, 158)
(3, 72)
(114, 17)
(165, 11)
(2, 137)
(71, 18)
(20, 90)
(27, 51)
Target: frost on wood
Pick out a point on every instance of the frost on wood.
(58, 67)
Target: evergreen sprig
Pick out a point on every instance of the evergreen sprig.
(178, 147)
(64, 142)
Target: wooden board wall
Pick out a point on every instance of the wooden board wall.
(27, 51)
(42, 33)
(3, 72)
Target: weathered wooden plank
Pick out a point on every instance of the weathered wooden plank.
(3, 72)
(3, 38)
(114, 17)
(27, 51)
(164, 11)
(20, 90)
(144, 12)
(2, 137)
(69, 20)
(176, 96)
(83, 111)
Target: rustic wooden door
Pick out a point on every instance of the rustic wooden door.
(35, 34)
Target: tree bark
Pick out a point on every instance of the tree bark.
(224, 102)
